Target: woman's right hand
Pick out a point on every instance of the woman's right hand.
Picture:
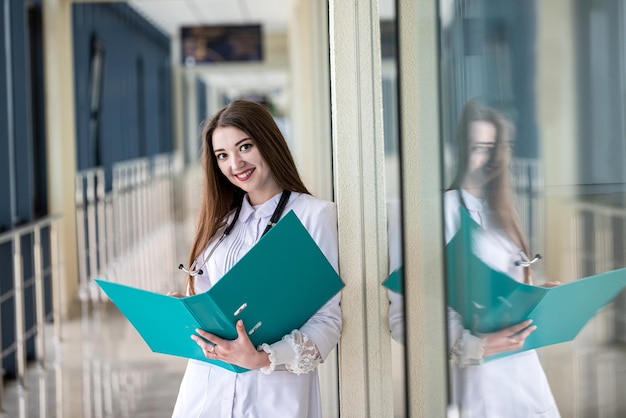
(507, 339)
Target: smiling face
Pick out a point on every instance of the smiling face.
(239, 159)
(482, 145)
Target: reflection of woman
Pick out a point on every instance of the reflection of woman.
(249, 173)
(514, 385)
(396, 299)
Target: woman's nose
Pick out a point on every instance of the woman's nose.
(237, 162)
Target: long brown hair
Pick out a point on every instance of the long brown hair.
(498, 192)
(219, 195)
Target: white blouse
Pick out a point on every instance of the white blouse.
(290, 386)
(514, 386)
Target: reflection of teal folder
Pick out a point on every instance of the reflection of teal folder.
(489, 300)
(275, 288)
(394, 281)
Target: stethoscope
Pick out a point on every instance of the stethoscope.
(193, 271)
(528, 263)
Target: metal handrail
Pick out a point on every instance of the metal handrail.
(7, 236)
(119, 230)
(15, 236)
(126, 234)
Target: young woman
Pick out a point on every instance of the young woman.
(249, 176)
(514, 385)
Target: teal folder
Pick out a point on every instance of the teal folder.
(489, 300)
(274, 288)
(395, 281)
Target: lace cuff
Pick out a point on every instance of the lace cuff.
(296, 351)
(468, 350)
(269, 369)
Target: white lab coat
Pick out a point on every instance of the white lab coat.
(212, 391)
(514, 386)
(396, 300)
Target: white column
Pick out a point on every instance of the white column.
(60, 134)
(557, 109)
(421, 198)
(310, 94)
(358, 155)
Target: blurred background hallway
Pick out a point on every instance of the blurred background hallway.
(101, 106)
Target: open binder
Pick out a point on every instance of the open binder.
(274, 288)
(395, 281)
(489, 300)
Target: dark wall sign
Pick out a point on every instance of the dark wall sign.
(214, 44)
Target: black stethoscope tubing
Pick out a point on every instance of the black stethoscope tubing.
(275, 216)
(519, 263)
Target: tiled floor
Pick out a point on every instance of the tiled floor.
(101, 369)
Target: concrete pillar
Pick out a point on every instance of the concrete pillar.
(421, 199)
(60, 136)
(358, 155)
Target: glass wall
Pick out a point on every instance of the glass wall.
(533, 145)
(393, 283)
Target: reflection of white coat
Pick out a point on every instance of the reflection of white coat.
(512, 386)
(396, 300)
(211, 391)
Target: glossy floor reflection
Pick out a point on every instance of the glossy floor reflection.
(588, 375)
(101, 369)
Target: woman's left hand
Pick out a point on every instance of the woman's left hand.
(240, 351)
(551, 284)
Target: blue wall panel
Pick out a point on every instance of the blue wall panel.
(23, 156)
(17, 182)
(5, 186)
(135, 108)
(23, 190)
(136, 120)
(7, 330)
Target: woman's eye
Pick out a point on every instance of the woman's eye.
(220, 156)
(246, 147)
(482, 149)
